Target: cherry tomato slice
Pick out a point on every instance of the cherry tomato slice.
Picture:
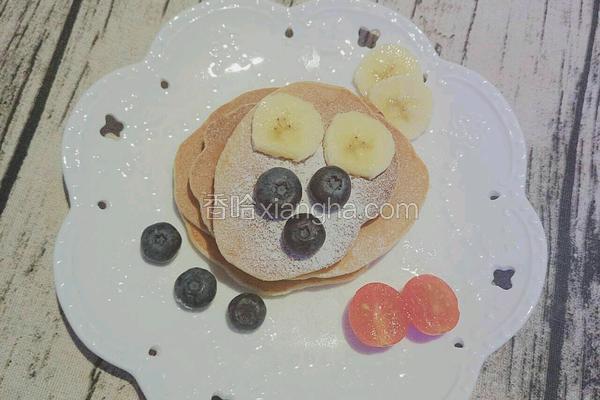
(377, 315)
(431, 304)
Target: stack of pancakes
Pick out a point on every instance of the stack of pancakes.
(198, 164)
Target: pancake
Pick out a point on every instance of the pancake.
(254, 244)
(375, 237)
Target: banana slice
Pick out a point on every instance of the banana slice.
(384, 62)
(359, 144)
(405, 103)
(286, 126)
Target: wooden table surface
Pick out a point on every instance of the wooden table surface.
(543, 55)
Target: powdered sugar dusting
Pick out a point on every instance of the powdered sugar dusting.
(254, 244)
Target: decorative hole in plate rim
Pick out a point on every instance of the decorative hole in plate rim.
(117, 304)
(112, 127)
(503, 278)
(368, 37)
(494, 195)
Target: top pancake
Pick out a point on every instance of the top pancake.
(253, 244)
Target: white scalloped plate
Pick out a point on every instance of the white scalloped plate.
(120, 306)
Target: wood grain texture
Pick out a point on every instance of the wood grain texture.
(542, 54)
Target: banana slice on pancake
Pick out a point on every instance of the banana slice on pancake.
(286, 126)
(359, 144)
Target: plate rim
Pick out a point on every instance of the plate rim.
(526, 211)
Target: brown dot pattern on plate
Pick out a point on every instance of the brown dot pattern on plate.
(164, 84)
(503, 278)
(112, 126)
(102, 205)
(289, 32)
(152, 352)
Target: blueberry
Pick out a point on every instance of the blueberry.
(247, 311)
(195, 289)
(160, 242)
(330, 186)
(277, 192)
(303, 234)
